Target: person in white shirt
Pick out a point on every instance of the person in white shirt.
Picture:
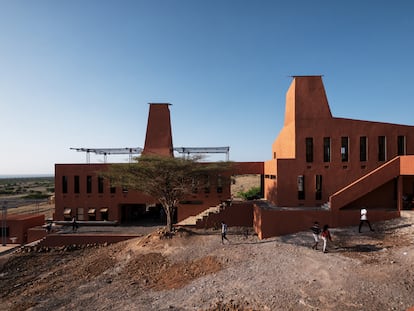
(364, 219)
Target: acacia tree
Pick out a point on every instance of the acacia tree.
(167, 179)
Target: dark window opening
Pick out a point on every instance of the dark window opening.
(104, 214)
(4, 231)
(309, 149)
(206, 184)
(344, 149)
(88, 184)
(92, 214)
(318, 187)
(219, 184)
(381, 148)
(64, 184)
(401, 145)
(194, 188)
(326, 149)
(100, 184)
(112, 188)
(363, 148)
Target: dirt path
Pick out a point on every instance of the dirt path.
(194, 271)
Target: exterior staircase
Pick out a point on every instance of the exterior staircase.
(192, 220)
(326, 205)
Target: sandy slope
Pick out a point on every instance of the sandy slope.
(194, 271)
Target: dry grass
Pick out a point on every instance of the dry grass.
(41, 208)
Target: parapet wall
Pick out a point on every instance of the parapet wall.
(56, 240)
(269, 223)
(238, 214)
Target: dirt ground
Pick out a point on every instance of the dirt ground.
(195, 271)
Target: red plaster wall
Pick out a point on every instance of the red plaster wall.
(158, 138)
(96, 200)
(268, 223)
(35, 234)
(239, 214)
(20, 224)
(113, 201)
(241, 168)
(306, 101)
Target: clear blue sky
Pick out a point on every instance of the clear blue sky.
(81, 73)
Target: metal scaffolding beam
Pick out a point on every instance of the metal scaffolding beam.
(203, 150)
(107, 151)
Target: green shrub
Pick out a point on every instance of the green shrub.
(36, 196)
(251, 194)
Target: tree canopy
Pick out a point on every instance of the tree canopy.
(166, 179)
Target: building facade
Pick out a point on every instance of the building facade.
(81, 192)
(331, 165)
(323, 168)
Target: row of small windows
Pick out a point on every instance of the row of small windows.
(363, 148)
(89, 182)
(79, 213)
(100, 182)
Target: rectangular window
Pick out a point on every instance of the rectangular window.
(100, 184)
(64, 184)
(326, 149)
(363, 147)
(219, 184)
(79, 215)
(309, 149)
(88, 184)
(301, 187)
(401, 145)
(194, 184)
(206, 184)
(318, 187)
(381, 148)
(112, 187)
(76, 182)
(344, 149)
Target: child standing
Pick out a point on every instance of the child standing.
(316, 230)
(224, 232)
(326, 235)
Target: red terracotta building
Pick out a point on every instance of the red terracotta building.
(326, 168)
(323, 168)
(81, 192)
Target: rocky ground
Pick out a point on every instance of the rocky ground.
(195, 271)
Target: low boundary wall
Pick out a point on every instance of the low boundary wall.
(238, 214)
(275, 222)
(56, 240)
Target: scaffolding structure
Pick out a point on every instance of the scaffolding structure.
(203, 150)
(106, 151)
(137, 151)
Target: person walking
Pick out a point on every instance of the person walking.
(74, 224)
(325, 235)
(364, 219)
(316, 230)
(224, 232)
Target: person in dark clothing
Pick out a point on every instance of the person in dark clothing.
(74, 224)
